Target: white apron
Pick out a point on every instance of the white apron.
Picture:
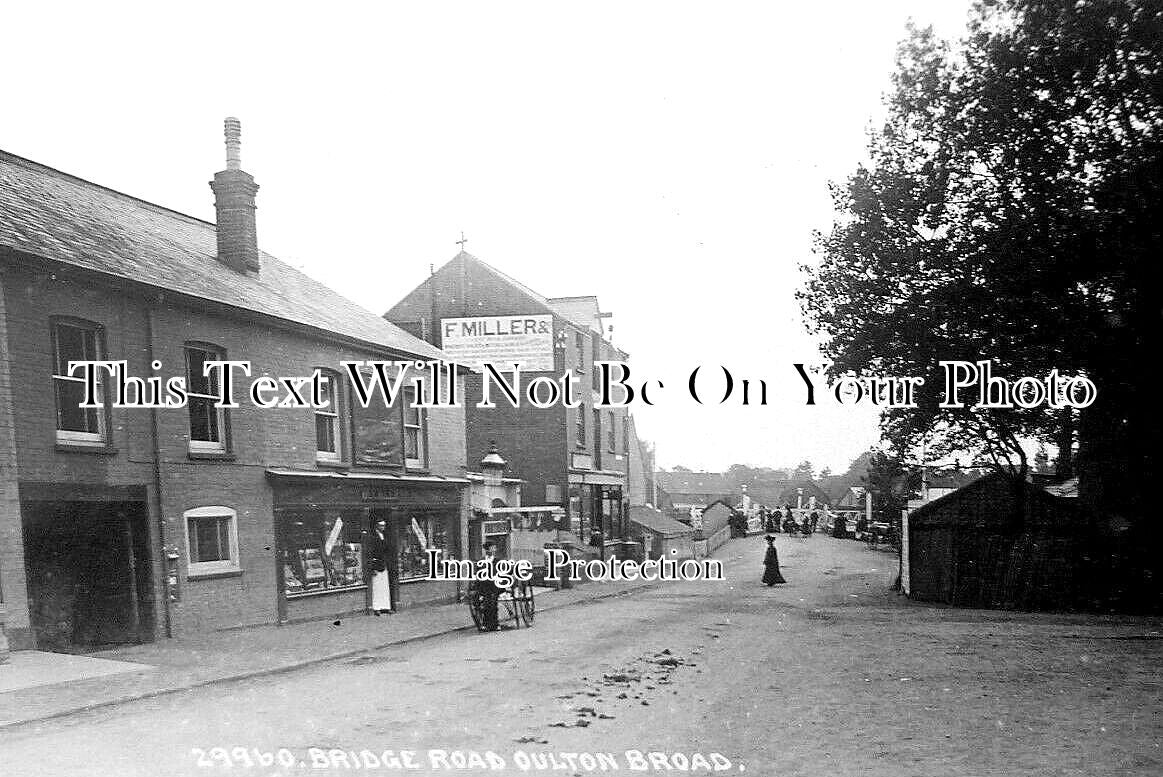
(381, 593)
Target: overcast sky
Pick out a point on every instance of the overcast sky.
(671, 158)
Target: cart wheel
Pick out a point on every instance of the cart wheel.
(525, 604)
(474, 608)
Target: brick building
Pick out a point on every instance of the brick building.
(681, 491)
(130, 524)
(577, 458)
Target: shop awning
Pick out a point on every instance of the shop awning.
(597, 477)
(366, 477)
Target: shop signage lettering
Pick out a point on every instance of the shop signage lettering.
(524, 339)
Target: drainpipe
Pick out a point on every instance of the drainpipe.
(155, 434)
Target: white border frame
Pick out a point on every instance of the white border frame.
(205, 568)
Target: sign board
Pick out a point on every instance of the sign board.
(500, 340)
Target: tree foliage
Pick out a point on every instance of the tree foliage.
(892, 483)
(1010, 211)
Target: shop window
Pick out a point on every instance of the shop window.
(211, 540)
(322, 550)
(415, 453)
(207, 422)
(77, 341)
(414, 535)
(328, 424)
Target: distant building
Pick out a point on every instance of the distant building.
(681, 492)
(576, 458)
(714, 527)
(661, 537)
(799, 494)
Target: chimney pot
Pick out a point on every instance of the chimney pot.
(234, 206)
(233, 131)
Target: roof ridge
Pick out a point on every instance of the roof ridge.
(161, 248)
(78, 179)
(510, 279)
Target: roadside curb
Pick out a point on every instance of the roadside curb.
(293, 666)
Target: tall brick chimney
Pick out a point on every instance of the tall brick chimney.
(234, 192)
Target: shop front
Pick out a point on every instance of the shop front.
(596, 514)
(324, 526)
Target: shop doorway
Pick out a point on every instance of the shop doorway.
(89, 579)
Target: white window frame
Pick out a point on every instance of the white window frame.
(420, 461)
(335, 415)
(72, 437)
(204, 568)
(205, 446)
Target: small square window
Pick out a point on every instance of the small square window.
(211, 540)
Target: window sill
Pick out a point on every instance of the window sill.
(100, 449)
(330, 464)
(325, 591)
(196, 576)
(211, 455)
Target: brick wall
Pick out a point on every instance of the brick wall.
(13, 595)
(536, 443)
(260, 438)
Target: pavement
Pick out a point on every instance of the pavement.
(37, 686)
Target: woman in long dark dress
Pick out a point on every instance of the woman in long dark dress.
(378, 567)
(771, 574)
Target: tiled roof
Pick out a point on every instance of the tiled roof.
(658, 522)
(711, 483)
(57, 216)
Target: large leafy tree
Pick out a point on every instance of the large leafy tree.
(1011, 210)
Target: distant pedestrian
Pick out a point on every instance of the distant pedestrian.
(378, 562)
(789, 524)
(839, 526)
(771, 574)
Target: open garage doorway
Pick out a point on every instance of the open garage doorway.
(89, 579)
